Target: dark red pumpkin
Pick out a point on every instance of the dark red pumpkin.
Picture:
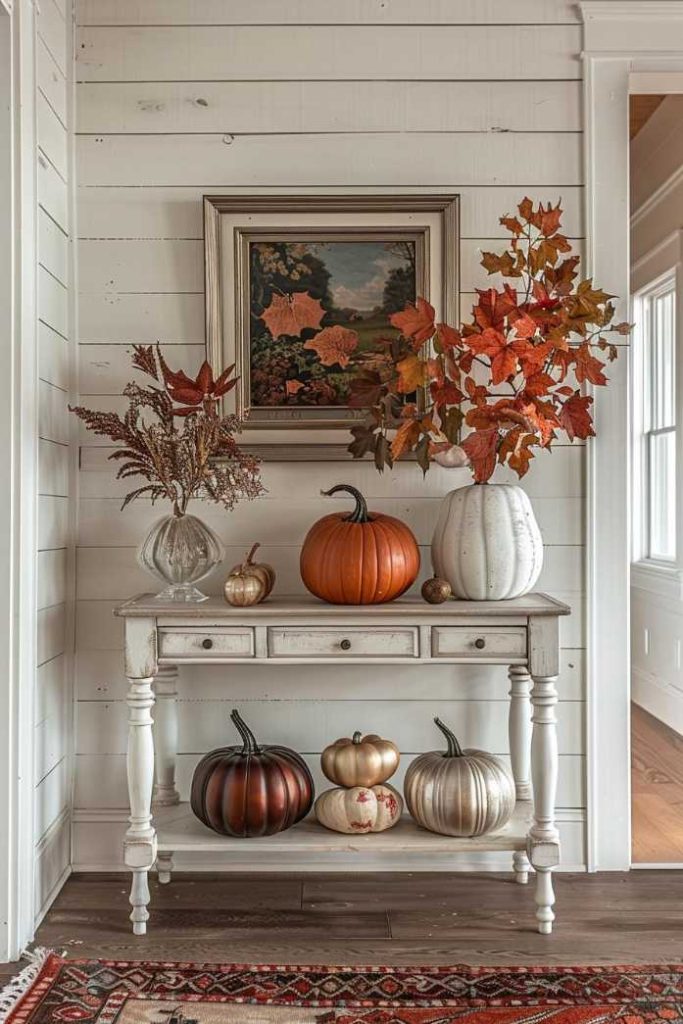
(359, 557)
(251, 790)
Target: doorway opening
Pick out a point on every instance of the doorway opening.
(656, 220)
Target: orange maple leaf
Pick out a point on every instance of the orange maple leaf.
(291, 314)
(416, 322)
(480, 447)
(292, 387)
(412, 374)
(334, 345)
(405, 438)
(503, 356)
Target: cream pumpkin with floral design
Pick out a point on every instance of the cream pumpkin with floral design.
(359, 809)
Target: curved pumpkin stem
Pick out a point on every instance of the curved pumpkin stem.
(454, 748)
(249, 560)
(360, 512)
(356, 738)
(247, 736)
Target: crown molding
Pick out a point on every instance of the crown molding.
(631, 10)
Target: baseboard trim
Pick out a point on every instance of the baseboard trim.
(658, 698)
(53, 894)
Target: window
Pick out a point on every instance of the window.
(656, 391)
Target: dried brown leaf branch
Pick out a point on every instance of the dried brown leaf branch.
(177, 461)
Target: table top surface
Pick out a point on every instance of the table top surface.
(146, 606)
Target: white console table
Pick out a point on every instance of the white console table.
(522, 633)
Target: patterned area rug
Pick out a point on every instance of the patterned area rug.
(115, 992)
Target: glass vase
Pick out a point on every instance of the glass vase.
(180, 551)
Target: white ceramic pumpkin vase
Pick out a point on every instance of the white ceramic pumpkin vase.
(487, 543)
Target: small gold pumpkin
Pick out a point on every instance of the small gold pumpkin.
(242, 589)
(260, 570)
(360, 761)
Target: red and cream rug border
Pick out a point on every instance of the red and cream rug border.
(104, 986)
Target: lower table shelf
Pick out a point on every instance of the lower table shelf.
(178, 830)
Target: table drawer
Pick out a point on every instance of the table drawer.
(192, 643)
(470, 642)
(321, 642)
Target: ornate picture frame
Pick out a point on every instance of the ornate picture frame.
(289, 274)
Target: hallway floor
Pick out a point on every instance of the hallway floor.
(657, 801)
(373, 919)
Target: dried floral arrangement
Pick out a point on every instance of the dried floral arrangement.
(513, 375)
(171, 432)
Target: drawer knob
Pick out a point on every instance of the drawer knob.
(345, 645)
(207, 643)
(480, 643)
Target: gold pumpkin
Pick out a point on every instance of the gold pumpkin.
(260, 570)
(459, 792)
(360, 809)
(242, 590)
(360, 761)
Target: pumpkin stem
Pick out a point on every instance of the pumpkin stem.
(356, 738)
(360, 512)
(454, 748)
(248, 738)
(249, 560)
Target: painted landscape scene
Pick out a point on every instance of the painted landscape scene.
(313, 304)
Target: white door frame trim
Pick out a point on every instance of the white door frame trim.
(19, 430)
(620, 38)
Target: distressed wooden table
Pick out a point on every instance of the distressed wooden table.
(522, 633)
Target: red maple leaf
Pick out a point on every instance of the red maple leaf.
(334, 345)
(192, 392)
(291, 314)
(575, 417)
(494, 306)
(587, 367)
(416, 322)
(448, 337)
(480, 447)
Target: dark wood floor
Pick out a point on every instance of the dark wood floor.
(367, 918)
(657, 781)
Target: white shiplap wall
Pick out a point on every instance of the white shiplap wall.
(175, 99)
(56, 578)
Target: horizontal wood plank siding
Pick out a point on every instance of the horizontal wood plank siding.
(53, 763)
(177, 99)
(321, 12)
(335, 161)
(361, 106)
(161, 212)
(243, 52)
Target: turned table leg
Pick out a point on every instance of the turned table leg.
(165, 736)
(544, 842)
(165, 751)
(140, 842)
(519, 731)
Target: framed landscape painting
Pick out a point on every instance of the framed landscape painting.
(296, 286)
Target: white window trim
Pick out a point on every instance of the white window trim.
(645, 569)
(621, 38)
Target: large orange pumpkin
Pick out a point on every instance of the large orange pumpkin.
(359, 557)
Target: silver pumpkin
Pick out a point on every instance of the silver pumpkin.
(459, 792)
